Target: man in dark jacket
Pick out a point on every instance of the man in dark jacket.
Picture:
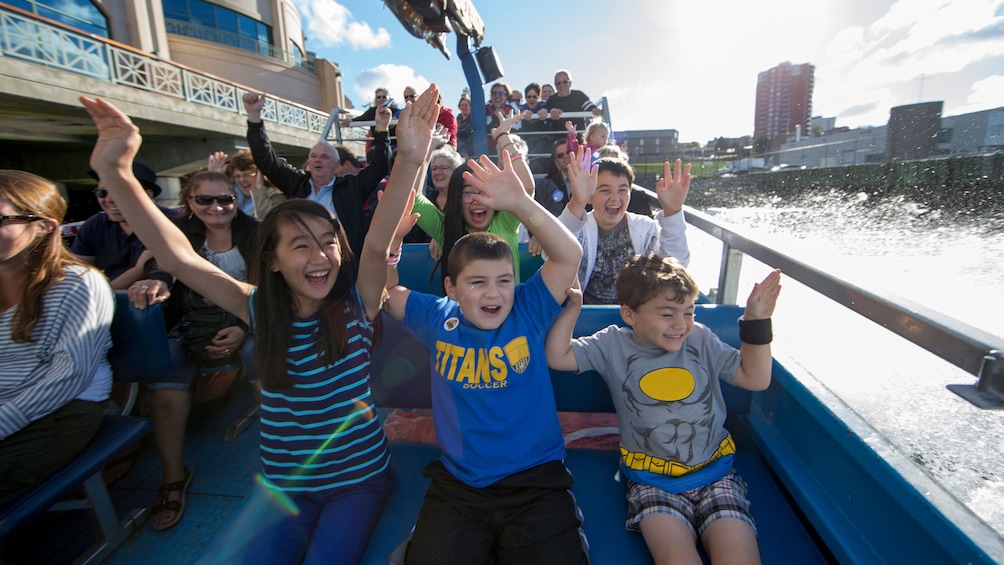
(327, 180)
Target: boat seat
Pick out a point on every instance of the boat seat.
(139, 353)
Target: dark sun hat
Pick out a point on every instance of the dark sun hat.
(143, 174)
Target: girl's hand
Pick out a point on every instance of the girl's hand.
(498, 189)
(407, 220)
(763, 298)
(415, 126)
(672, 189)
(434, 251)
(118, 138)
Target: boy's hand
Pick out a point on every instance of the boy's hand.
(581, 175)
(415, 126)
(217, 162)
(763, 298)
(498, 189)
(118, 138)
(672, 188)
(505, 123)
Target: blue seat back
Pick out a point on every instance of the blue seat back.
(139, 343)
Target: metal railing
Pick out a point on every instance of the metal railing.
(969, 348)
(359, 129)
(34, 40)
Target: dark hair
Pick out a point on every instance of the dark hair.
(618, 167)
(241, 161)
(453, 217)
(531, 86)
(274, 304)
(344, 154)
(474, 246)
(644, 276)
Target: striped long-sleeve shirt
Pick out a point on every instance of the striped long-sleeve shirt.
(323, 433)
(66, 358)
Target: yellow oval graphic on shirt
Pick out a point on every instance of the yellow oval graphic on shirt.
(668, 384)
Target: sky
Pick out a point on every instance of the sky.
(692, 66)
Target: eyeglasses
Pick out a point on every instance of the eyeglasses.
(531, 97)
(100, 192)
(562, 82)
(411, 97)
(498, 93)
(20, 218)
(467, 197)
(207, 199)
(381, 97)
(443, 168)
(241, 175)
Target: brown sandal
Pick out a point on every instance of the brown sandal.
(164, 504)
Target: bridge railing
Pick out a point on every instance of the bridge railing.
(967, 347)
(27, 37)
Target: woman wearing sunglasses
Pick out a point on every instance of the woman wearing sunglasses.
(55, 329)
(208, 338)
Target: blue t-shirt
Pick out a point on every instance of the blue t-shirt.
(323, 433)
(491, 389)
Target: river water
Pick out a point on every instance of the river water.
(948, 260)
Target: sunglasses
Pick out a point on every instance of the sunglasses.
(411, 97)
(207, 199)
(20, 218)
(100, 192)
(562, 82)
(531, 97)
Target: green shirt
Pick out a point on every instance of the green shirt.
(503, 224)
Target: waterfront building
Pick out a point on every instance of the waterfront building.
(783, 102)
(178, 67)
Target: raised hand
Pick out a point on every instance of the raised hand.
(254, 102)
(416, 124)
(382, 117)
(763, 298)
(505, 123)
(217, 162)
(672, 188)
(498, 189)
(581, 175)
(118, 138)
(408, 219)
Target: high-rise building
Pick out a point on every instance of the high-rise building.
(783, 102)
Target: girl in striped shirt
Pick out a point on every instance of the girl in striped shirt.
(326, 466)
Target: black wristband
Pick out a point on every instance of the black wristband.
(756, 332)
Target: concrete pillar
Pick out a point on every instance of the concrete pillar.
(170, 189)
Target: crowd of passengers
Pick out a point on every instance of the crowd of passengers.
(312, 254)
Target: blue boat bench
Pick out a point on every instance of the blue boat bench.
(139, 351)
(401, 380)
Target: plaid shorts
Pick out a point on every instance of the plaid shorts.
(724, 498)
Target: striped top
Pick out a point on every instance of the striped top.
(323, 433)
(66, 358)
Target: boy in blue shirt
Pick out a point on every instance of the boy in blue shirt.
(500, 489)
(663, 374)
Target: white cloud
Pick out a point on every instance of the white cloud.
(393, 77)
(986, 95)
(329, 23)
(890, 59)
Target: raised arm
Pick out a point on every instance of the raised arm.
(501, 134)
(502, 190)
(118, 142)
(672, 191)
(755, 367)
(558, 345)
(414, 135)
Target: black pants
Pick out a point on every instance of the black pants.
(526, 518)
(36, 450)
